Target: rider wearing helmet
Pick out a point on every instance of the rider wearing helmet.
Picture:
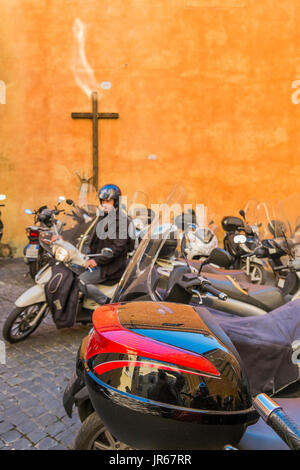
(110, 238)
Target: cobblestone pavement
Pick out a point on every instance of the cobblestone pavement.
(34, 377)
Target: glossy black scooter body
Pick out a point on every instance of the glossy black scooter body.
(164, 376)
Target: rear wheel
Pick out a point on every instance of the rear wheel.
(23, 321)
(93, 435)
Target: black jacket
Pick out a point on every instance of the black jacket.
(112, 231)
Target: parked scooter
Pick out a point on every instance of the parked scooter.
(44, 219)
(151, 356)
(65, 263)
(242, 242)
(5, 249)
(279, 234)
(200, 230)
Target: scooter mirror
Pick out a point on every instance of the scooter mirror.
(219, 257)
(28, 211)
(239, 239)
(70, 202)
(242, 213)
(61, 199)
(2, 197)
(107, 252)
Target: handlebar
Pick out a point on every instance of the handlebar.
(247, 255)
(192, 283)
(215, 291)
(278, 420)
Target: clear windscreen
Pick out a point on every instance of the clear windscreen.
(287, 226)
(251, 212)
(206, 222)
(277, 222)
(266, 212)
(88, 197)
(137, 209)
(76, 223)
(46, 238)
(140, 275)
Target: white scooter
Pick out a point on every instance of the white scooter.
(32, 306)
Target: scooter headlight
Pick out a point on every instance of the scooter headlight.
(61, 254)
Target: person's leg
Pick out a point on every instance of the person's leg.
(87, 281)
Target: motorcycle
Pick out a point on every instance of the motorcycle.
(5, 250)
(44, 219)
(158, 373)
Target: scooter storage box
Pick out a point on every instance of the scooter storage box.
(231, 224)
(166, 376)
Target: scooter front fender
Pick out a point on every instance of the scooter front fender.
(34, 295)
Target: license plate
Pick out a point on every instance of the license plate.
(281, 282)
(32, 251)
(272, 251)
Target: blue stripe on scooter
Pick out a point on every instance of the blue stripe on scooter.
(194, 342)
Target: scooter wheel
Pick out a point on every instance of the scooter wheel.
(20, 322)
(93, 435)
(257, 274)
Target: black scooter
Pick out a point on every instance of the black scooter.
(44, 219)
(158, 373)
(242, 242)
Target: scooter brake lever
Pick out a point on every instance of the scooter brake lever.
(196, 292)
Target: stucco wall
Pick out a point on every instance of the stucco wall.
(205, 86)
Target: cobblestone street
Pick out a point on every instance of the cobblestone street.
(34, 377)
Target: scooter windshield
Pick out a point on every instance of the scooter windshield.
(287, 225)
(139, 276)
(265, 213)
(205, 235)
(77, 224)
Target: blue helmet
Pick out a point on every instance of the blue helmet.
(110, 191)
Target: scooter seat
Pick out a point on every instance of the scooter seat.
(238, 274)
(260, 436)
(265, 297)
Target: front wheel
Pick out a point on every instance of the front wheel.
(257, 273)
(93, 435)
(23, 321)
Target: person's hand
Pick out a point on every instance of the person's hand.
(91, 263)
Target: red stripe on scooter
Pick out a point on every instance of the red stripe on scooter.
(108, 366)
(125, 342)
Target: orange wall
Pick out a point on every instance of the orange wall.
(205, 85)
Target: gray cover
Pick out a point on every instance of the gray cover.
(264, 345)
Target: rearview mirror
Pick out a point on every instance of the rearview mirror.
(28, 211)
(70, 202)
(242, 213)
(219, 257)
(61, 199)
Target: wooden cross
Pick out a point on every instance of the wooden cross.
(94, 115)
